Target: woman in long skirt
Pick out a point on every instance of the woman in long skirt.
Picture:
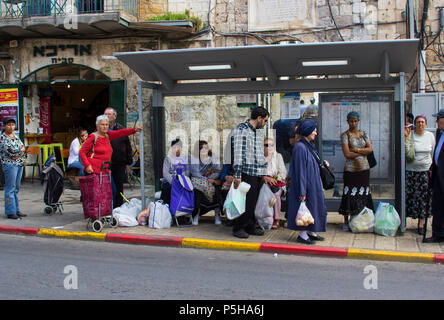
(356, 146)
(306, 186)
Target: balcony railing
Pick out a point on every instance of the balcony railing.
(36, 8)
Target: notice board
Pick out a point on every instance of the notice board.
(376, 118)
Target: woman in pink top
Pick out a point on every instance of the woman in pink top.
(97, 148)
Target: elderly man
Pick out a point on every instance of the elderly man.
(438, 183)
(122, 156)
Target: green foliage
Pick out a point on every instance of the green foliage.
(170, 16)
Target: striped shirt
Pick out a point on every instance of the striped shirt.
(248, 149)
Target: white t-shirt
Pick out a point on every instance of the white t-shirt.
(74, 151)
(424, 146)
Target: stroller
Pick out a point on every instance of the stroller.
(52, 179)
(97, 199)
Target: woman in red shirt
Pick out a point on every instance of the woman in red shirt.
(93, 154)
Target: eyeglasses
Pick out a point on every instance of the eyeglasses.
(268, 145)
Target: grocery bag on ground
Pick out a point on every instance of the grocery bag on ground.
(127, 213)
(363, 222)
(234, 204)
(304, 217)
(160, 216)
(387, 220)
(265, 203)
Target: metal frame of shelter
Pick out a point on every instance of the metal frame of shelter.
(344, 66)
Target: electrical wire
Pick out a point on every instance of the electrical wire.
(334, 21)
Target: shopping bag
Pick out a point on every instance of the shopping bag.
(160, 216)
(304, 217)
(265, 203)
(387, 220)
(265, 223)
(234, 204)
(363, 222)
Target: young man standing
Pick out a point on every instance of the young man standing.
(122, 156)
(250, 166)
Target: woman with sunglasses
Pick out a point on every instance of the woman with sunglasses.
(278, 173)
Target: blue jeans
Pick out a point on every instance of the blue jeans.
(13, 178)
(78, 165)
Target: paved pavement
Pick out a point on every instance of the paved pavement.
(72, 220)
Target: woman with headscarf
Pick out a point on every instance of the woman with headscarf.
(306, 186)
(356, 146)
(418, 191)
(175, 163)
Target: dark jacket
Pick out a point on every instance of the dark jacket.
(438, 168)
(122, 151)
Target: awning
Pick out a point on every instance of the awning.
(274, 61)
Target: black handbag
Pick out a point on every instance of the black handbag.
(327, 177)
(371, 160)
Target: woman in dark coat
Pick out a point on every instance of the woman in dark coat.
(306, 185)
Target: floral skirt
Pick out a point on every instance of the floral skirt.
(418, 195)
(357, 193)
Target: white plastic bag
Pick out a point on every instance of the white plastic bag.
(266, 223)
(160, 216)
(127, 213)
(304, 217)
(387, 220)
(234, 204)
(265, 203)
(125, 220)
(363, 222)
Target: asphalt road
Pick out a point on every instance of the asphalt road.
(40, 268)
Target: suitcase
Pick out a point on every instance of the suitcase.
(97, 195)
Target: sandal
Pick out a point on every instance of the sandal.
(275, 225)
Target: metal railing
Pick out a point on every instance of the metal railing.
(39, 8)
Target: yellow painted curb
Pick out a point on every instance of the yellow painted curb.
(391, 256)
(72, 235)
(217, 244)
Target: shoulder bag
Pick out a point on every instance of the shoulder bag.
(327, 177)
(409, 148)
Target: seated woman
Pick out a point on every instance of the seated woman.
(275, 169)
(76, 144)
(205, 174)
(175, 163)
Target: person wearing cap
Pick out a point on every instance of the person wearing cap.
(311, 111)
(418, 191)
(12, 152)
(306, 186)
(437, 182)
(356, 146)
(76, 144)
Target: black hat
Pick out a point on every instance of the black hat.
(9, 119)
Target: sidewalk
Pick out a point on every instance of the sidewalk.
(404, 247)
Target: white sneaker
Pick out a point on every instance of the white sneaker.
(196, 220)
(217, 220)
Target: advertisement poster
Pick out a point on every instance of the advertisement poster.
(9, 105)
(290, 106)
(45, 117)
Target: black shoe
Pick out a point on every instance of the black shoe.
(316, 237)
(301, 240)
(421, 231)
(13, 216)
(433, 239)
(241, 234)
(21, 214)
(256, 232)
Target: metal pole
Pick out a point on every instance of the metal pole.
(142, 153)
(411, 20)
(402, 98)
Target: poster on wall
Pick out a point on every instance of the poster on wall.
(9, 106)
(290, 108)
(375, 112)
(45, 117)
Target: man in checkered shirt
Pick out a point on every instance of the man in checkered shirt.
(250, 166)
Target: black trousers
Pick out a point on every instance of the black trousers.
(437, 209)
(118, 172)
(247, 220)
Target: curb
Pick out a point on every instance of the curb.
(232, 245)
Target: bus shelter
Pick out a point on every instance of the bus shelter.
(361, 66)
